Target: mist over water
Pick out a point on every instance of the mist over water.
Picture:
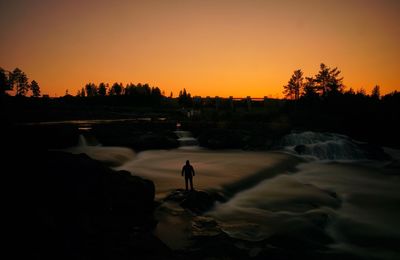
(333, 198)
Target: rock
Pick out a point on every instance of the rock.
(205, 227)
(374, 152)
(300, 149)
(177, 195)
(74, 207)
(196, 201)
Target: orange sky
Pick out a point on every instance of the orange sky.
(215, 47)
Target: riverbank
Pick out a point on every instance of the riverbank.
(73, 207)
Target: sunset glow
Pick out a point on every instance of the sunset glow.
(211, 48)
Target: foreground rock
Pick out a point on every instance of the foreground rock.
(196, 201)
(207, 237)
(73, 207)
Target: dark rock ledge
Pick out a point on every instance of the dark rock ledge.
(73, 207)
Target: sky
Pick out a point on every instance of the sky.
(210, 47)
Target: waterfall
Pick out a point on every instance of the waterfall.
(85, 140)
(185, 138)
(324, 146)
(82, 141)
(114, 156)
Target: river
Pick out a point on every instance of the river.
(331, 194)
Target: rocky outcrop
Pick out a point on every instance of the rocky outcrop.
(300, 149)
(196, 201)
(76, 208)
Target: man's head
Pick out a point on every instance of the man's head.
(187, 162)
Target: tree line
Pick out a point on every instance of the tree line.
(17, 80)
(326, 83)
(118, 89)
(140, 93)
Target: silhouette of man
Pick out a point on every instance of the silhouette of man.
(188, 170)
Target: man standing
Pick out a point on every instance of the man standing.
(188, 170)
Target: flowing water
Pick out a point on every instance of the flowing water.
(330, 195)
(186, 140)
(113, 156)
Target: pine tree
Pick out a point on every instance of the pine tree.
(295, 85)
(35, 89)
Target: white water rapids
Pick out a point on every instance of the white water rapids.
(344, 200)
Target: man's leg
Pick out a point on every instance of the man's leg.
(186, 183)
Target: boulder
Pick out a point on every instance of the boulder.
(196, 201)
(300, 149)
(76, 208)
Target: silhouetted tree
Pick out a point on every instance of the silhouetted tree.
(88, 89)
(4, 82)
(350, 92)
(155, 93)
(147, 89)
(116, 89)
(295, 85)
(102, 89)
(309, 89)
(143, 90)
(361, 92)
(185, 99)
(376, 93)
(36, 89)
(91, 89)
(130, 89)
(20, 80)
(327, 80)
(83, 94)
(393, 98)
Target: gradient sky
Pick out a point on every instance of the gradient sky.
(214, 47)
